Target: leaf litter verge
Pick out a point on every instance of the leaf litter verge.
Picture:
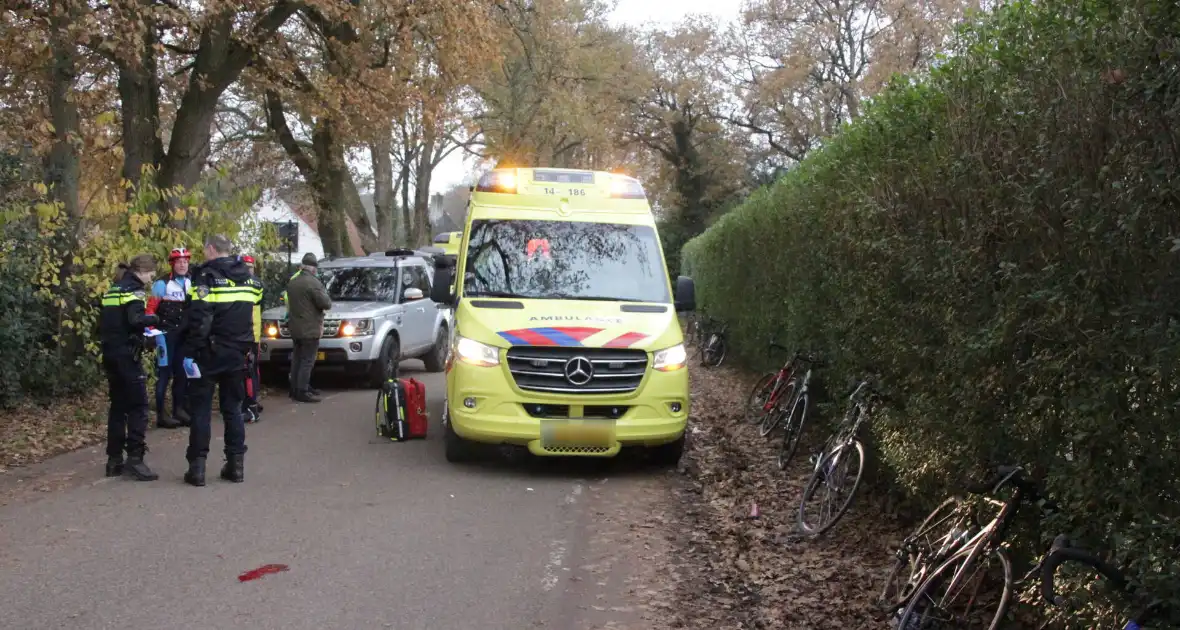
(741, 562)
(30, 433)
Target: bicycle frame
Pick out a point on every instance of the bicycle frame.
(781, 379)
(849, 427)
(985, 539)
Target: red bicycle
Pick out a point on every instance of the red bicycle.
(774, 394)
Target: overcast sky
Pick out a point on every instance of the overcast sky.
(638, 12)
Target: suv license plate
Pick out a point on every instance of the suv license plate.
(577, 432)
(320, 356)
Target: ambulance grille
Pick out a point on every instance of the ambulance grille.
(543, 369)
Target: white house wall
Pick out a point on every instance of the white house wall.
(270, 208)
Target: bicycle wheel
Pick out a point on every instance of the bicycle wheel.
(714, 351)
(792, 430)
(775, 415)
(922, 550)
(759, 396)
(833, 475)
(931, 605)
(694, 347)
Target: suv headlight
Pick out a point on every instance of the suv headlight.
(270, 328)
(670, 359)
(475, 353)
(356, 328)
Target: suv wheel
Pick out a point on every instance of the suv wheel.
(387, 360)
(436, 358)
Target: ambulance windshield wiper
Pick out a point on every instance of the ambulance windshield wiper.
(591, 298)
(498, 294)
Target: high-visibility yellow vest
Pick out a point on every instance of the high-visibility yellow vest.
(283, 297)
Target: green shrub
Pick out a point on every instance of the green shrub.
(999, 242)
(48, 318)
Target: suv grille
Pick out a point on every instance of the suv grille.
(543, 369)
(331, 327)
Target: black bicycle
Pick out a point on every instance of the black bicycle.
(965, 557)
(709, 341)
(831, 474)
(1147, 607)
(794, 414)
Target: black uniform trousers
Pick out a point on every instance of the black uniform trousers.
(224, 369)
(128, 415)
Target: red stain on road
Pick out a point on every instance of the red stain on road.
(265, 569)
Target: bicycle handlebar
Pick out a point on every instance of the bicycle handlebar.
(871, 391)
(810, 358)
(797, 355)
(1005, 475)
(1061, 553)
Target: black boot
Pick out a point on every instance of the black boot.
(183, 417)
(114, 466)
(195, 476)
(234, 468)
(165, 421)
(139, 470)
(307, 397)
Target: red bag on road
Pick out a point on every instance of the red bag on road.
(404, 409)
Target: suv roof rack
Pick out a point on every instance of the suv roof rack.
(399, 252)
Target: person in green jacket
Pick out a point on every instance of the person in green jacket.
(307, 301)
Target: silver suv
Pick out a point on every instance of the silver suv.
(381, 314)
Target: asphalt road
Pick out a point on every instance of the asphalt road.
(375, 534)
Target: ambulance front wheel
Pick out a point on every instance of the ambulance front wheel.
(458, 449)
(668, 455)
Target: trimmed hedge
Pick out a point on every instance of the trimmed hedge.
(999, 242)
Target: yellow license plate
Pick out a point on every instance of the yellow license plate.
(578, 433)
(320, 356)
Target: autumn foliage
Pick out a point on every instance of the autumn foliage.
(999, 241)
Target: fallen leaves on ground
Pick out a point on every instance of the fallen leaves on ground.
(742, 572)
(32, 433)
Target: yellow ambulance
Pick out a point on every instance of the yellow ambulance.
(448, 242)
(566, 336)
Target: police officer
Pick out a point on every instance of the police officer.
(122, 321)
(217, 339)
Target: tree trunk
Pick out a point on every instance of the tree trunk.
(63, 172)
(219, 62)
(425, 168)
(64, 169)
(326, 174)
(690, 184)
(380, 150)
(329, 194)
(139, 96)
(406, 226)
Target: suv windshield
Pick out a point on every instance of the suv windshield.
(571, 260)
(365, 284)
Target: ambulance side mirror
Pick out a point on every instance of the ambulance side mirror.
(686, 295)
(440, 291)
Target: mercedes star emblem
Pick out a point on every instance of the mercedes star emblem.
(579, 371)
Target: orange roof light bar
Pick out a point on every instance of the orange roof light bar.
(497, 181)
(624, 187)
